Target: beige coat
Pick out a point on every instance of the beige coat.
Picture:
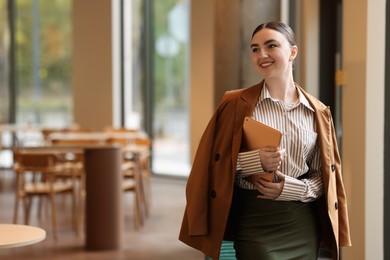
(210, 185)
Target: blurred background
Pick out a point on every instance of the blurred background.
(160, 67)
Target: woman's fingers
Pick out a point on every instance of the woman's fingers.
(270, 190)
(271, 157)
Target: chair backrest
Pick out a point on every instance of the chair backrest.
(47, 131)
(143, 142)
(75, 141)
(114, 140)
(34, 161)
(111, 129)
(77, 130)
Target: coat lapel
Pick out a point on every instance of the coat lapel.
(323, 124)
(245, 105)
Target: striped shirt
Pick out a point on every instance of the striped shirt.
(302, 154)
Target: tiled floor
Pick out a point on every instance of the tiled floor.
(156, 240)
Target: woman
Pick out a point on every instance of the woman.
(305, 206)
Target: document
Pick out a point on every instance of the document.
(258, 135)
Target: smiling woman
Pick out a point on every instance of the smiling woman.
(280, 219)
(278, 49)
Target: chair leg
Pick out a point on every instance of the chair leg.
(53, 216)
(27, 209)
(147, 189)
(39, 210)
(141, 187)
(17, 197)
(80, 214)
(75, 210)
(80, 205)
(146, 178)
(138, 219)
(16, 206)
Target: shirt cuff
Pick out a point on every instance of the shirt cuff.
(293, 189)
(249, 162)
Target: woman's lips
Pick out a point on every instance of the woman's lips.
(266, 64)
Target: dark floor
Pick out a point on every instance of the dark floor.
(156, 240)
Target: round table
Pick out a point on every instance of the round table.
(12, 235)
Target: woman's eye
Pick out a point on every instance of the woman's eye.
(255, 50)
(271, 46)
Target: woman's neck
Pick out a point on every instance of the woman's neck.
(283, 90)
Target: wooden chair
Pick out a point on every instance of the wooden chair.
(43, 183)
(72, 164)
(146, 144)
(75, 168)
(132, 181)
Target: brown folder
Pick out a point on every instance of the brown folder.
(258, 135)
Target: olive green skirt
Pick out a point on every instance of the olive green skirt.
(275, 230)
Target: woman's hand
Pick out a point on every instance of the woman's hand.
(270, 190)
(271, 158)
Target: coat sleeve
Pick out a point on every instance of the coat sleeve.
(198, 182)
(197, 189)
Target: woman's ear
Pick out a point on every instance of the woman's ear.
(294, 52)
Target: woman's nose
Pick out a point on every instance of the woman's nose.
(262, 53)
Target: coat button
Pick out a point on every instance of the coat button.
(213, 194)
(217, 156)
(333, 167)
(336, 205)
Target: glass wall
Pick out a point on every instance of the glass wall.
(133, 63)
(35, 72)
(155, 79)
(170, 75)
(43, 62)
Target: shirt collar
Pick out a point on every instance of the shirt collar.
(302, 99)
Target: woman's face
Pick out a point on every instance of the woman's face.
(272, 54)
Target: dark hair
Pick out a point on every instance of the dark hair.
(279, 27)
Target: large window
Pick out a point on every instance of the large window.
(156, 79)
(171, 104)
(134, 63)
(155, 71)
(43, 59)
(35, 54)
